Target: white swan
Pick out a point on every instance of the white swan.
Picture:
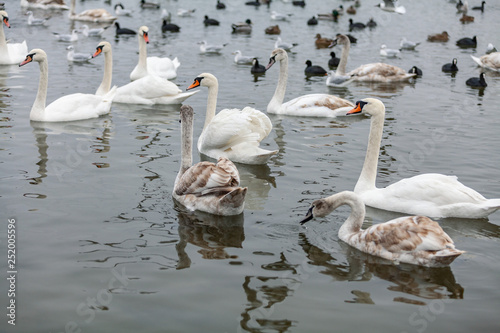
(375, 72)
(414, 240)
(430, 194)
(67, 108)
(205, 186)
(45, 4)
(98, 15)
(489, 61)
(232, 133)
(148, 90)
(312, 105)
(163, 67)
(10, 53)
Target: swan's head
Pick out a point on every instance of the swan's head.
(204, 80)
(144, 33)
(5, 18)
(277, 55)
(37, 55)
(371, 106)
(341, 40)
(323, 207)
(315, 210)
(102, 47)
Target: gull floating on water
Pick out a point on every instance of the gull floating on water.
(392, 6)
(407, 44)
(390, 53)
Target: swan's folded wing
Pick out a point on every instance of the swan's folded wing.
(76, 107)
(231, 169)
(149, 87)
(491, 61)
(231, 127)
(202, 178)
(163, 67)
(378, 68)
(436, 188)
(411, 233)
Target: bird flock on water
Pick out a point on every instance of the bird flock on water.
(233, 136)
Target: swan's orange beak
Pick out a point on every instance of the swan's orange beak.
(98, 50)
(195, 84)
(6, 21)
(29, 58)
(357, 109)
(145, 36)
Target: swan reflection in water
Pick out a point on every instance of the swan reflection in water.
(421, 284)
(263, 293)
(211, 233)
(77, 139)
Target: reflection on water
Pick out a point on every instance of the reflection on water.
(264, 292)
(422, 282)
(85, 137)
(211, 233)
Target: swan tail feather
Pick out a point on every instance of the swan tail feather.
(176, 63)
(477, 60)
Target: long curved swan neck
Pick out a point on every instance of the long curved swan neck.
(38, 108)
(343, 58)
(368, 174)
(143, 54)
(355, 220)
(213, 91)
(108, 74)
(186, 140)
(279, 93)
(3, 42)
(72, 8)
